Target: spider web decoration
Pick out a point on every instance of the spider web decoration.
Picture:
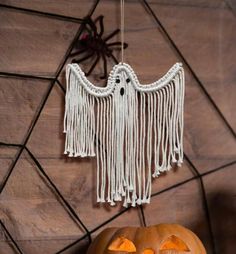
(93, 44)
(11, 237)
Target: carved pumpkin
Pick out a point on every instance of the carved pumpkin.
(159, 239)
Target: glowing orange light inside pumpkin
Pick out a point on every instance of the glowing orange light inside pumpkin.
(122, 244)
(174, 243)
(148, 251)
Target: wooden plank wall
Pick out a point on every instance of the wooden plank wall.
(202, 36)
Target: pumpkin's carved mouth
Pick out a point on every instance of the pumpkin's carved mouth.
(149, 251)
(172, 243)
(122, 244)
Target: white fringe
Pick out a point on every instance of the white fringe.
(138, 134)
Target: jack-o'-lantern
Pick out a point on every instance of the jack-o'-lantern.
(159, 239)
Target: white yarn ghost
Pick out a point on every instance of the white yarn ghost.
(135, 131)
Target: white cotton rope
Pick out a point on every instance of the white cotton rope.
(137, 129)
(122, 28)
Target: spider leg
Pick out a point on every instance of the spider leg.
(104, 66)
(118, 43)
(109, 36)
(101, 24)
(93, 66)
(83, 58)
(91, 26)
(78, 52)
(98, 19)
(114, 58)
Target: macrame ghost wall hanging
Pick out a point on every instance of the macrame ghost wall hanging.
(134, 130)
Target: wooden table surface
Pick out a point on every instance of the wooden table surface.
(35, 37)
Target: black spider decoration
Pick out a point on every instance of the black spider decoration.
(92, 43)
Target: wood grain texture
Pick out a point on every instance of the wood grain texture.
(20, 100)
(5, 165)
(191, 3)
(30, 210)
(47, 139)
(52, 246)
(221, 194)
(208, 44)
(172, 177)
(76, 181)
(232, 5)
(7, 156)
(71, 8)
(182, 205)
(207, 140)
(7, 152)
(33, 44)
(44, 246)
(6, 248)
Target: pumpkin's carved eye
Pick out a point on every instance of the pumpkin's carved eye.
(122, 244)
(148, 251)
(174, 243)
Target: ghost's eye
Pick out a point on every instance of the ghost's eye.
(174, 243)
(122, 244)
(127, 80)
(117, 80)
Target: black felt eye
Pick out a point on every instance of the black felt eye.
(127, 80)
(122, 91)
(117, 81)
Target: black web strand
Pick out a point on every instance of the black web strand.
(153, 195)
(177, 50)
(26, 140)
(8, 234)
(40, 110)
(93, 8)
(94, 230)
(65, 202)
(24, 76)
(219, 168)
(174, 186)
(61, 86)
(42, 13)
(123, 211)
(144, 224)
(3, 184)
(10, 145)
(205, 204)
(67, 247)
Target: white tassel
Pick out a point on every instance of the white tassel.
(79, 120)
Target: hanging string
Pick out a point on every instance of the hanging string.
(122, 25)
